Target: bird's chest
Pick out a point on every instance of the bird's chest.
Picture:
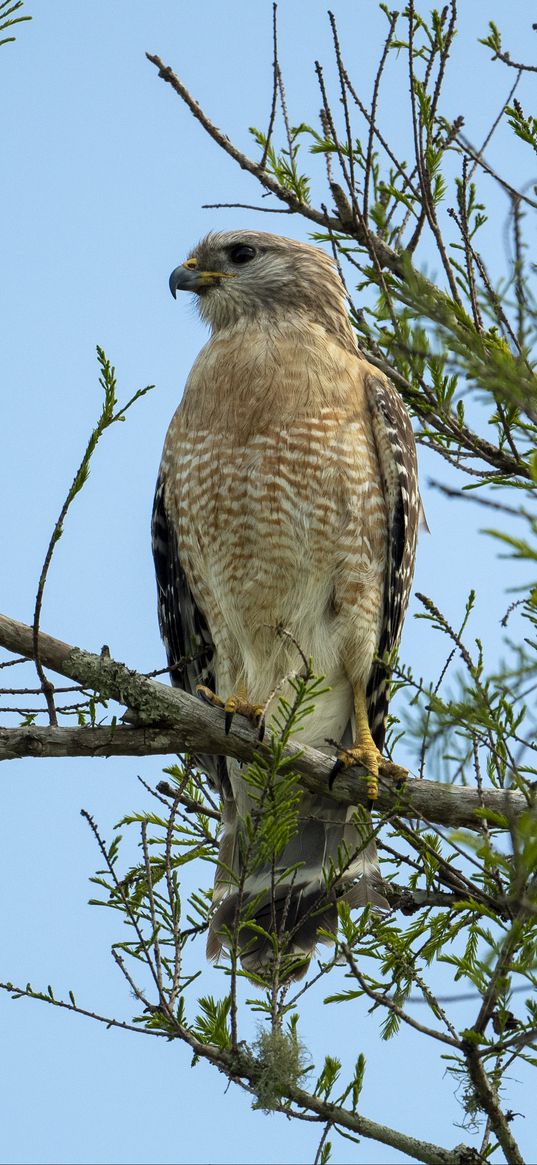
(263, 515)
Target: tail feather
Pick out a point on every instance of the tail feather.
(287, 903)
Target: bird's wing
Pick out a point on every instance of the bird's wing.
(186, 635)
(396, 450)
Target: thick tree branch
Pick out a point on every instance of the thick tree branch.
(119, 740)
(171, 721)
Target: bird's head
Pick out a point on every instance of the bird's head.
(252, 275)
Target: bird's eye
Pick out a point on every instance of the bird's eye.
(241, 253)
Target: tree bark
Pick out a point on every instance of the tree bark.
(172, 721)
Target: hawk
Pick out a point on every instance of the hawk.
(287, 497)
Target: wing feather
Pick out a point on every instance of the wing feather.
(184, 629)
(396, 450)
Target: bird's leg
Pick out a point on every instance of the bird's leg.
(364, 751)
(238, 702)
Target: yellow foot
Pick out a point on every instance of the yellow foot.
(395, 772)
(233, 705)
(368, 757)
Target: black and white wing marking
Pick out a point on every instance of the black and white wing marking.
(396, 450)
(184, 630)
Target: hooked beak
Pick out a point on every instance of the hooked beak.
(188, 277)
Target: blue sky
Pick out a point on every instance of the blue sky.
(105, 174)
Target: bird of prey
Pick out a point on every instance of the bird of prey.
(287, 497)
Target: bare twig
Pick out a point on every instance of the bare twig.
(494, 126)
(246, 206)
(28, 993)
(472, 496)
(477, 157)
(275, 76)
(322, 1142)
(505, 57)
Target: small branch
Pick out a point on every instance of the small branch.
(186, 802)
(495, 124)
(383, 999)
(466, 496)
(275, 78)
(246, 206)
(109, 416)
(318, 1155)
(385, 254)
(130, 912)
(409, 901)
(477, 157)
(488, 1101)
(29, 993)
(505, 58)
(170, 718)
(497, 979)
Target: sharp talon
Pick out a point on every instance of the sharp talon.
(336, 769)
(261, 729)
(228, 718)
